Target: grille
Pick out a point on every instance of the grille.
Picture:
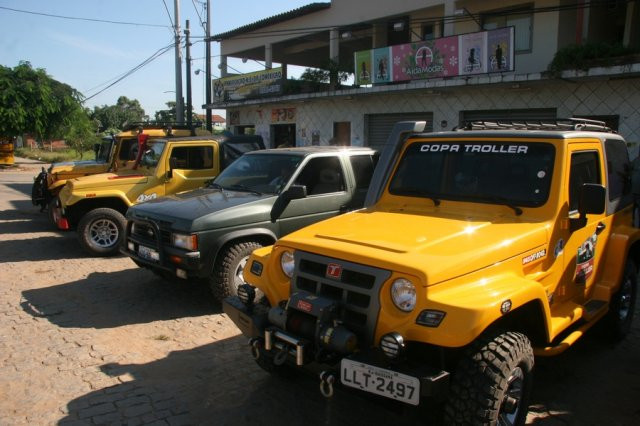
(146, 231)
(356, 289)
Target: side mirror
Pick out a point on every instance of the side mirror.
(295, 192)
(592, 201)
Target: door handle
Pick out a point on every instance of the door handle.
(600, 227)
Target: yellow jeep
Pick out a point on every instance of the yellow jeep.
(96, 204)
(476, 249)
(115, 152)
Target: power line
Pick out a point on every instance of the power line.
(150, 59)
(168, 14)
(75, 18)
(197, 13)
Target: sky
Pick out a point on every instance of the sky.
(88, 55)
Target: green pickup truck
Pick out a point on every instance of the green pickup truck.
(209, 233)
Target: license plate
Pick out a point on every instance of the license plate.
(148, 253)
(380, 381)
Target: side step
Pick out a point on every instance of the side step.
(593, 311)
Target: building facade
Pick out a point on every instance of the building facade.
(331, 35)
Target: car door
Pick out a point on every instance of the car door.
(327, 194)
(190, 166)
(583, 247)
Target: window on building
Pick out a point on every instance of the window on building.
(428, 31)
(520, 18)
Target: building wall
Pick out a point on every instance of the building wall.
(610, 97)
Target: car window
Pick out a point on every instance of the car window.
(363, 166)
(192, 157)
(618, 168)
(322, 175)
(584, 169)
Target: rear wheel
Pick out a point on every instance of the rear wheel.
(623, 303)
(227, 273)
(100, 231)
(492, 383)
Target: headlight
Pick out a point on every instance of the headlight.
(287, 263)
(187, 242)
(403, 294)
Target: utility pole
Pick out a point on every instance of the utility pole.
(208, 69)
(176, 21)
(188, 61)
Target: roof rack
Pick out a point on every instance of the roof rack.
(575, 124)
(160, 124)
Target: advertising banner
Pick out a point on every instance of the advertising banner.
(465, 54)
(246, 86)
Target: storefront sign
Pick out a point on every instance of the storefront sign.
(246, 86)
(466, 54)
(283, 115)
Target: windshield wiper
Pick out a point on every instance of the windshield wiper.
(244, 188)
(212, 184)
(505, 202)
(436, 201)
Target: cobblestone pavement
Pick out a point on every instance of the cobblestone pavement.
(100, 341)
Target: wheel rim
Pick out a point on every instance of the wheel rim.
(510, 407)
(239, 276)
(625, 299)
(103, 233)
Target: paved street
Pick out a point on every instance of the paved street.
(101, 341)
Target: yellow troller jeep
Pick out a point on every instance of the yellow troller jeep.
(476, 249)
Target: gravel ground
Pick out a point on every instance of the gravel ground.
(100, 341)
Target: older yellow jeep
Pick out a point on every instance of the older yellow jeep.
(97, 204)
(116, 152)
(476, 249)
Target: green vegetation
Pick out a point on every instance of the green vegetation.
(47, 156)
(113, 118)
(585, 56)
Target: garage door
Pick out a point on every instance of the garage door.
(379, 126)
(508, 114)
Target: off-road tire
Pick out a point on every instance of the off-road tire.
(227, 271)
(50, 207)
(101, 231)
(620, 315)
(493, 367)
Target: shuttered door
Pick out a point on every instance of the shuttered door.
(508, 114)
(379, 125)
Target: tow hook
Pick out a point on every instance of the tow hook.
(254, 345)
(326, 383)
(281, 356)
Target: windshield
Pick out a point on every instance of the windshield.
(104, 150)
(496, 172)
(152, 153)
(264, 173)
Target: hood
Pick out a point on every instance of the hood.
(438, 248)
(104, 180)
(207, 208)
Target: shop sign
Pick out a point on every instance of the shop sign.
(283, 115)
(465, 54)
(246, 86)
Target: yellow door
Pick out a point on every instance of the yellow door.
(193, 166)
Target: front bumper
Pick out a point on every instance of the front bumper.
(155, 253)
(277, 344)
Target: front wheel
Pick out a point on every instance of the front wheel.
(492, 383)
(227, 272)
(623, 303)
(100, 231)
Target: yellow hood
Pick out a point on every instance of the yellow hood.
(436, 248)
(104, 180)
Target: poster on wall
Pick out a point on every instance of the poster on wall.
(473, 48)
(466, 54)
(382, 65)
(363, 67)
(499, 49)
(246, 86)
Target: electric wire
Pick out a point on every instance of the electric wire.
(75, 18)
(168, 14)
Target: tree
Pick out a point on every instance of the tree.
(33, 102)
(169, 115)
(82, 133)
(116, 117)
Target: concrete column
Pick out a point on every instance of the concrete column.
(379, 35)
(334, 44)
(268, 56)
(284, 71)
(437, 29)
(223, 66)
(628, 24)
(449, 10)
